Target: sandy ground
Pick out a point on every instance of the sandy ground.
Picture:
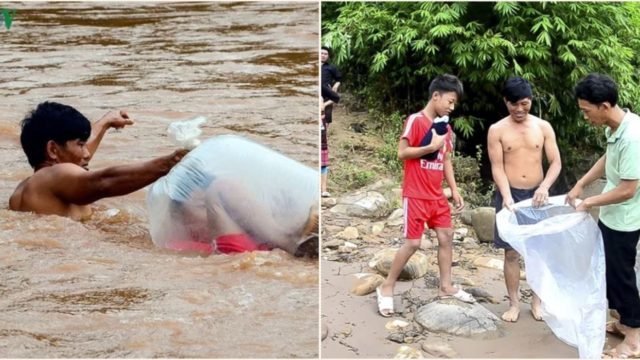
(345, 313)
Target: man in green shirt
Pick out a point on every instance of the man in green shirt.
(619, 203)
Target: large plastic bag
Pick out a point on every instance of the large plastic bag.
(249, 183)
(565, 266)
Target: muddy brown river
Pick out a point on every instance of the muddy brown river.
(100, 288)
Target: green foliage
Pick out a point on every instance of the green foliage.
(390, 51)
(347, 176)
(473, 189)
(466, 126)
(390, 128)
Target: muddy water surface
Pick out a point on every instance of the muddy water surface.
(100, 288)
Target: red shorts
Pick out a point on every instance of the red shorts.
(435, 213)
(226, 244)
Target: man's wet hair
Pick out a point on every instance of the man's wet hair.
(51, 121)
(597, 88)
(446, 83)
(327, 49)
(516, 89)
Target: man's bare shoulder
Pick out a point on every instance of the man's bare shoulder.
(57, 170)
(40, 184)
(15, 200)
(499, 125)
(543, 124)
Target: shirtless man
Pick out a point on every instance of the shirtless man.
(515, 146)
(59, 142)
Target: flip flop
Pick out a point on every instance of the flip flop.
(460, 295)
(384, 303)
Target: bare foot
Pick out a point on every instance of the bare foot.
(536, 308)
(536, 314)
(512, 314)
(614, 313)
(614, 328)
(624, 350)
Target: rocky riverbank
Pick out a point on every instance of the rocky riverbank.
(362, 229)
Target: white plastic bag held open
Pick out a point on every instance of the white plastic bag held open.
(564, 259)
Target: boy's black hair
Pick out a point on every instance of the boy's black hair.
(51, 121)
(597, 88)
(516, 89)
(446, 83)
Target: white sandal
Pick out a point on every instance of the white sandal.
(385, 304)
(460, 295)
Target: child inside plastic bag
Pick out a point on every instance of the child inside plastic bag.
(212, 203)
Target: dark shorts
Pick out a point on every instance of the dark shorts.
(517, 195)
(328, 114)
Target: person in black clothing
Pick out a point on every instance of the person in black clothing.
(330, 81)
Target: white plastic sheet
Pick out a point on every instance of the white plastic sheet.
(260, 186)
(565, 267)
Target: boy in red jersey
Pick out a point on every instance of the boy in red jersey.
(423, 198)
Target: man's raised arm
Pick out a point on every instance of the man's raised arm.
(112, 119)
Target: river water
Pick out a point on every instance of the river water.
(100, 288)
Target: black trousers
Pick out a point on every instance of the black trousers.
(620, 259)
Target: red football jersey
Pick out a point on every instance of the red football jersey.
(423, 178)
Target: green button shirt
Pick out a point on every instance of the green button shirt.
(623, 163)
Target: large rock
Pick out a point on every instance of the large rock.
(483, 220)
(465, 216)
(457, 318)
(366, 283)
(415, 268)
(363, 204)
